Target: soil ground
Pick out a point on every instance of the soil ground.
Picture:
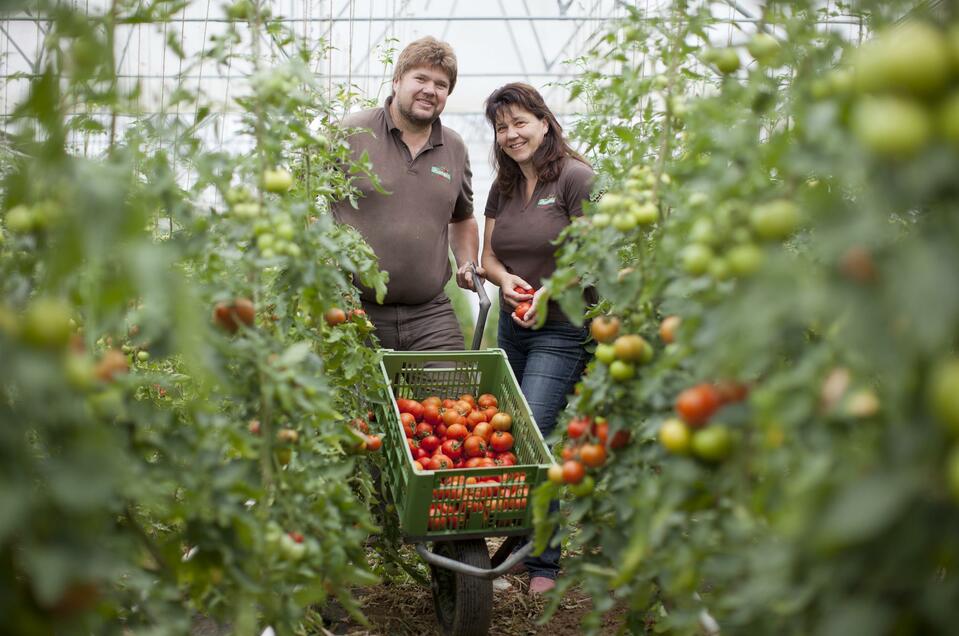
(407, 609)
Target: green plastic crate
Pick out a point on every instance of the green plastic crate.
(428, 505)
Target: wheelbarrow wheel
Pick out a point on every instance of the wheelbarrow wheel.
(463, 603)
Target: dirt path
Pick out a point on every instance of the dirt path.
(407, 610)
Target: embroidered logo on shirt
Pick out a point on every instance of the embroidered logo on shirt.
(441, 171)
(546, 201)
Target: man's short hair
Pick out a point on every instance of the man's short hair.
(427, 51)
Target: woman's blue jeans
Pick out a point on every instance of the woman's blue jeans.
(547, 362)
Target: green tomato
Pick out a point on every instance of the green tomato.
(278, 180)
(745, 260)
(46, 323)
(763, 47)
(261, 226)
(290, 549)
(605, 353)
(143, 356)
(696, 258)
(697, 199)
(675, 436)
(719, 269)
(949, 118)
(774, 220)
(611, 204)
(600, 219)
(584, 488)
(943, 393)
(246, 210)
(79, 371)
(265, 241)
(892, 127)
(294, 250)
(840, 81)
(646, 213)
(622, 371)
(703, 231)
(727, 61)
(713, 443)
(20, 219)
(912, 57)
(240, 10)
(285, 231)
(624, 222)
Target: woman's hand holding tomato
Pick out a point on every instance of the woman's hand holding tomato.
(529, 318)
(516, 290)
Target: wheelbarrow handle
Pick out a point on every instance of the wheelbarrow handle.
(484, 305)
(471, 570)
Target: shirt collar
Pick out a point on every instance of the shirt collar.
(436, 133)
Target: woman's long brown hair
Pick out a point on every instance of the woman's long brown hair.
(549, 156)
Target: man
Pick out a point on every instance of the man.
(428, 207)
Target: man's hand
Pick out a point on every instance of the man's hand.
(464, 275)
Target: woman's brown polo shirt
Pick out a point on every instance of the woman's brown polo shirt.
(524, 231)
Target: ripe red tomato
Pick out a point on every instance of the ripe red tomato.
(406, 419)
(432, 400)
(601, 431)
(487, 399)
(440, 430)
(412, 407)
(462, 407)
(453, 448)
(489, 412)
(422, 430)
(475, 417)
(521, 290)
(577, 427)
(469, 399)
(731, 391)
(521, 310)
(697, 404)
(440, 462)
(334, 316)
(620, 439)
(474, 446)
(505, 459)
(457, 432)
(451, 416)
(593, 455)
(431, 414)
(573, 472)
(373, 443)
(430, 443)
(421, 455)
(501, 441)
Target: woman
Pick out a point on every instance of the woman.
(540, 185)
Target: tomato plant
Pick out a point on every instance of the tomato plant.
(762, 210)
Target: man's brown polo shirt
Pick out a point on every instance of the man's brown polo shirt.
(408, 227)
(525, 230)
